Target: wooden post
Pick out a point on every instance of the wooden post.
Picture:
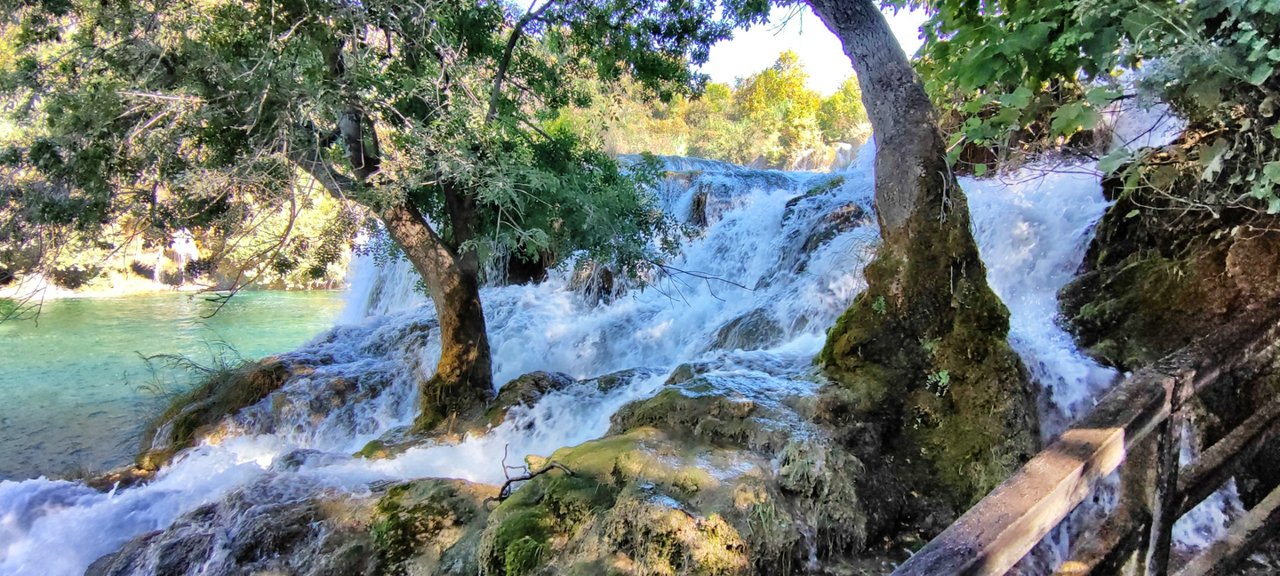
(1164, 506)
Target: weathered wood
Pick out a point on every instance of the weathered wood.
(993, 535)
(1109, 547)
(1120, 534)
(1221, 461)
(1165, 498)
(1243, 537)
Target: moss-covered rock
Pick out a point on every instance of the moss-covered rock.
(751, 331)
(525, 391)
(1153, 280)
(933, 396)
(685, 483)
(193, 415)
(430, 526)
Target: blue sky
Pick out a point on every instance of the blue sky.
(819, 50)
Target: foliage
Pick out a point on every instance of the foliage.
(159, 116)
(1012, 76)
(770, 118)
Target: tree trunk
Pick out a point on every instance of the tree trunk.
(464, 376)
(921, 355)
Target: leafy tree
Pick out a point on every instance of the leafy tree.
(770, 118)
(1017, 72)
(841, 115)
(436, 117)
(780, 108)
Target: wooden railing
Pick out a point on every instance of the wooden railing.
(1005, 525)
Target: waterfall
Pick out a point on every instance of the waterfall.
(774, 258)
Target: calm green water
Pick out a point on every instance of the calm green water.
(74, 387)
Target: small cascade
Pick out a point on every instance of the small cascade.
(773, 259)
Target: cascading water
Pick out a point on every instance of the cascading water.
(777, 258)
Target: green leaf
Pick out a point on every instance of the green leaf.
(1019, 98)
(1272, 171)
(1132, 214)
(1275, 131)
(1273, 205)
(1101, 96)
(1113, 161)
(1211, 156)
(1261, 73)
(1206, 93)
(979, 170)
(1073, 117)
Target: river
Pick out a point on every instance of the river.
(77, 392)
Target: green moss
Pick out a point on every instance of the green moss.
(374, 450)
(923, 358)
(432, 524)
(523, 556)
(225, 391)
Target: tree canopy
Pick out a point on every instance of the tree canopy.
(169, 115)
(1013, 72)
(770, 118)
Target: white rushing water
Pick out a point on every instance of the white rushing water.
(775, 266)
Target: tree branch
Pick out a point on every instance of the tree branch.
(496, 94)
(509, 486)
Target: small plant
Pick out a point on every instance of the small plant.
(879, 306)
(930, 346)
(939, 382)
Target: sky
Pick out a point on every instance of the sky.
(819, 50)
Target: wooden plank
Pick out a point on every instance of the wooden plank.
(1164, 510)
(1198, 481)
(1243, 537)
(997, 532)
(1221, 461)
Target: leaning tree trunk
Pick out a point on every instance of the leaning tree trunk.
(463, 380)
(921, 356)
(464, 376)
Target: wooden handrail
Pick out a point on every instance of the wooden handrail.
(998, 531)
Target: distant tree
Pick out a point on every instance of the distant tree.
(780, 108)
(841, 115)
(436, 117)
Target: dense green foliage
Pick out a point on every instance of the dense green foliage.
(771, 118)
(1017, 75)
(157, 117)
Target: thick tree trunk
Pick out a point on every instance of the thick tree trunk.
(929, 389)
(912, 173)
(464, 376)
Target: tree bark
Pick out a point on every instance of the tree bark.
(463, 379)
(932, 395)
(464, 376)
(911, 173)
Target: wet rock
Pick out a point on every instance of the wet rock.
(525, 391)
(611, 382)
(754, 330)
(595, 282)
(253, 531)
(195, 414)
(710, 476)
(430, 526)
